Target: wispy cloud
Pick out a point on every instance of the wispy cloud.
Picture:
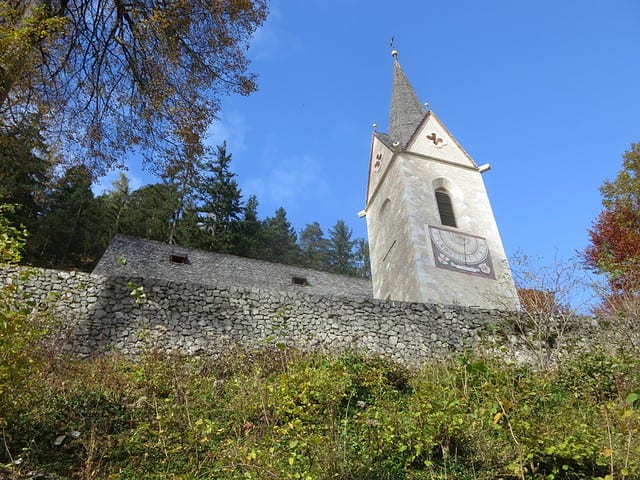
(232, 128)
(294, 183)
(271, 41)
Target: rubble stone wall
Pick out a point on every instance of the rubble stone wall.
(103, 313)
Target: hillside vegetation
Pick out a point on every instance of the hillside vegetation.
(281, 414)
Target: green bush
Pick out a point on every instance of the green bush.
(24, 324)
(251, 415)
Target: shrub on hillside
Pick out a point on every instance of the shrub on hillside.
(310, 416)
(22, 325)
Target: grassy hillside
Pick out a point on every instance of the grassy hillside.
(279, 414)
(283, 415)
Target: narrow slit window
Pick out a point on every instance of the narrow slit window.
(445, 208)
(301, 281)
(182, 259)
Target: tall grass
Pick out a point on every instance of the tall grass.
(286, 415)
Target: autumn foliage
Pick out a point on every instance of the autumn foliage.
(615, 236)
(534, 300)
(615, 247)
(102, 79)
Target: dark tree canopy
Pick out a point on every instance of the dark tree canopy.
(279, 239)
(249, 242)
(362, 258)
(25, 171)
(108, 75)
(68, 231)
(197, 204)
(150, 212)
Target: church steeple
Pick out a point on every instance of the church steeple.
(432, 234)
(406, 112)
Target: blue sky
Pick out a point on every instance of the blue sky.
(547, 92)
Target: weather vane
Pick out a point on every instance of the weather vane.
(392, 44)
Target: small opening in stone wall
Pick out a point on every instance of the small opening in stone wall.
(301, 281)
(182, 259)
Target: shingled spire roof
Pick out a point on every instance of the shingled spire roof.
(406, 111)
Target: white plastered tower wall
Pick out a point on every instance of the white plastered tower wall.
(414, 256)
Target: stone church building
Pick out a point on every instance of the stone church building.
(432, 234)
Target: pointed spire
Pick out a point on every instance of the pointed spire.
(406, 111)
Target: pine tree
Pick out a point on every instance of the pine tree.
(115, 204)
(250, 238)
(221, 207)
(182, 171)
(26, 168)
(341, 257)
(151, 212)
(66, 234)
(361, 259)
(279, 239)
(314, 247)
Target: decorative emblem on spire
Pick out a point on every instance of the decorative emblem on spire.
(434, 138)
(378, 164)
(437, 141)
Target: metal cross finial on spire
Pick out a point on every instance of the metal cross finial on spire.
(394, 52)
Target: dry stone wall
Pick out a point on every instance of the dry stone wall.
(101, 315)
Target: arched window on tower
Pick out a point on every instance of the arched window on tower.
(445, 208)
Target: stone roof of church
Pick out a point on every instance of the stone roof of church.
(406, 112)
(136, 257)
(384, 138)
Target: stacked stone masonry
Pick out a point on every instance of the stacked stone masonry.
(103, 314)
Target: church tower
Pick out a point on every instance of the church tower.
(432, 234)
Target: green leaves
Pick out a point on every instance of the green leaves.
(11, 238)
(22, 326)
(263, 415)
(632, 398)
